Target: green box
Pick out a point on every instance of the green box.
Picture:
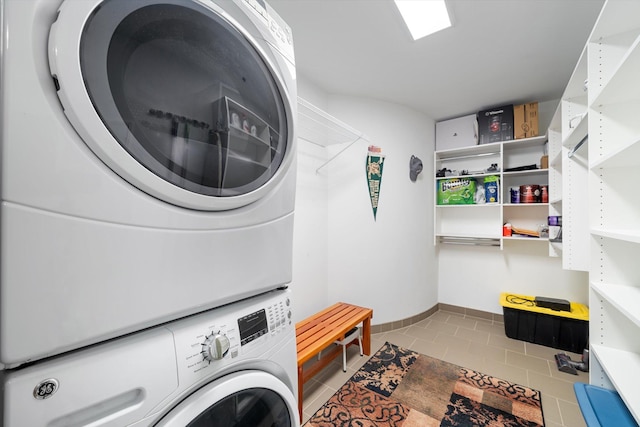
(456, 191)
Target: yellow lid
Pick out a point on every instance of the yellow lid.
(527, 303)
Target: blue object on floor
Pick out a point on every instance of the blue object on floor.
(602, 408)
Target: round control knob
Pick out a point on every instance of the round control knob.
(215, 347)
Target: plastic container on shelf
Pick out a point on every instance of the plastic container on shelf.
(565, 330)
(491, 188)
(601, 407)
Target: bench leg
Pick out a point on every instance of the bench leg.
(366, 336)
(344, 358)
(300, 387)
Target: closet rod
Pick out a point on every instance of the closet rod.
(470, 241)
(469, 156)
(578, 145)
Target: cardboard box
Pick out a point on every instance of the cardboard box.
(495, 124)
(544, 162)
(525, 120)
(456, 133)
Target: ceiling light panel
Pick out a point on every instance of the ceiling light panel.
(424, 17)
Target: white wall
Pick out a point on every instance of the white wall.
(388, 264)
(340, 252)
(391, 264)
(474, 277)
(310, 242)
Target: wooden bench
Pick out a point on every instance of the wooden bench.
(319, 331)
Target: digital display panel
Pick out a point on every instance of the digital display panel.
(252, 326)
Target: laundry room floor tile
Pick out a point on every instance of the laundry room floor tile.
(474, 342)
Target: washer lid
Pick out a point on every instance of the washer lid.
(175, 97)
(245, 398)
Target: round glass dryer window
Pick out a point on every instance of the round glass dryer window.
(251, 407)
(186, 94)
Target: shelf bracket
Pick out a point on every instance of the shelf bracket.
(337, 154)
(320, 128)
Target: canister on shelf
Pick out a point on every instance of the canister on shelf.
(515, 194)
(491, 188)
(544, 194)
(529, 193)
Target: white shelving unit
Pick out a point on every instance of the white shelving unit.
(613, 104)
(572, 168)
(554, 134)
(481, 224)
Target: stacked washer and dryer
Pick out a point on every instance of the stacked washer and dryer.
(148, 184)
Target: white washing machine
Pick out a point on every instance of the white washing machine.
(148, 165)
(234, 366)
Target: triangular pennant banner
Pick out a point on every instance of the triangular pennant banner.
(375, 161)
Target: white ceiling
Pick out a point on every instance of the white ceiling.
(497, 52)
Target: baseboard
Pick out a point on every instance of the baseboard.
(398, 324)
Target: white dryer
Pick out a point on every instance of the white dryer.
(148, 165)
(235, 365)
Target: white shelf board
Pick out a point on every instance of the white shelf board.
(471, 205)
(470, 235)
(555, 162)
(622, 369)
(619, 234)
(618, 89)
(618, 17)
(625, 157)
(320, 128)
(473, 175)
(518, 144)
(556, 200)
(471, 151)
(624, 298)
(525, 172)
(528, 239)
(524, 205)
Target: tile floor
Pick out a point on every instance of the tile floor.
(474, 343)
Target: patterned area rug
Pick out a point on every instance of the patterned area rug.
(399, 387)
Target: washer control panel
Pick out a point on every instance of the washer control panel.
(225, 335)
(252, 326)
(276, 25)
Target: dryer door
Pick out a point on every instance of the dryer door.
(176, 97)
(246, 398)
